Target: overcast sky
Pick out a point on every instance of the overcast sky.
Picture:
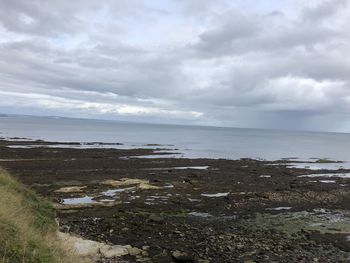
(240, 63)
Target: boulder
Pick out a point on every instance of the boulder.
(182, 256)
(134, 251)
(114, 251)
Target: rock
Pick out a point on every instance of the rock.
(124, 182)
(182, 256)
(92, 249)
(134, 251)
(114, 251)
(156, 218)
(71, 189)
(161, 258)
(144, 260)
(147, 186)
(86, 248)
(145, 254)
(139, 183)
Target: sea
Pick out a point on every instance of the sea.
(183, 141)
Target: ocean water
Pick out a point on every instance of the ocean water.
(191, 141)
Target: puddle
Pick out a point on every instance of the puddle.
(163, 155)
(106, 200)
(216, 195)
(279, 208)
(329, 175)
(205, 167)
(113, 192)
(193, 200)
(150, 203)
(79, 200)
(199, 214)
(327, 181)
(319, 166)
(158, 197)
(90, 200)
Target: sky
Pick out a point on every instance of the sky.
(280, 64)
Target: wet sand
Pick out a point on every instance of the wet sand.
(190, 210)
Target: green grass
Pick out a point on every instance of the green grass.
(27, 226)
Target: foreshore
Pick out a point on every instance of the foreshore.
(190, 210)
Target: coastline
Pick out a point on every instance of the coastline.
(190, 210)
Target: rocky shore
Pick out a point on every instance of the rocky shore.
(189, 210)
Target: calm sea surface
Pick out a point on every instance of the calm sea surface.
(192, 141)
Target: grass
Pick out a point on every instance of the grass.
(28, 227)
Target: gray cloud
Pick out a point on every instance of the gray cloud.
(228, 66)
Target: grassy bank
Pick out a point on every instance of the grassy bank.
(27, 226)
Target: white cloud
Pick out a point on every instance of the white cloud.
(208, 62)
(33, 100)
(300, 94)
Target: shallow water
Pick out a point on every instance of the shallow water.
(280, 208)
(192, 141)
(216, 195)
(200, 214)
(328, 175)
(320, 166)
(182, 168)
(78, 200)
(113, 192)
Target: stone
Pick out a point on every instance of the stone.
(114, 251)
(71, 189)
(156, 218)
(162, 258)
(139, 183)
(145, 254)
(134, 251)
(92, 249)
(86, 248)
(182, 256)
(147, 186)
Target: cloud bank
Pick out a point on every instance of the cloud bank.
(267, 64)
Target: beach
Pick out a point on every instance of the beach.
(189, 210)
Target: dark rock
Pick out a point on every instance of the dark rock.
(156, 218)
(182, 256)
